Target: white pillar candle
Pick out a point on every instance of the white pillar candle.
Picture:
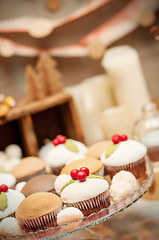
(116, 120)
(91, 97)
(124, 68)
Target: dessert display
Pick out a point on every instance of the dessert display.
(62, 152)
(124, 154)
(79, 195)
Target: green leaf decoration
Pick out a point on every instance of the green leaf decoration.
(111, 149)
(71, 146)
(74, 180)
(3, 201)
(68, 183)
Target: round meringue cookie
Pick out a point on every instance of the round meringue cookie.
(58, 157)
(7, 179)
(68, 214)
(13, 150)
(123, 183)
(14, 198)
(10, 226)
(129, 155)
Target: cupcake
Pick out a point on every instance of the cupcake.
(124, 154)
(94, 165)
(7, 179)
(39, 211)
(63, 151)
(10, 226)
(9, 201)
(85, 191)
(96, 149)
(40, 183)
(28, 168)
(123, 183)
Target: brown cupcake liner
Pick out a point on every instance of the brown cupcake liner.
(94, 204)
(153, 154)
(138, 168)
(10, 215)
(41, 222)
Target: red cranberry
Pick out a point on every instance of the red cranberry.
(55, 142)
(116, 138)
(81, 176)
(84, 169)
(61, 138)
(3, 188)
(74, 173)
(123, 137)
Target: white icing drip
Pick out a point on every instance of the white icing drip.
(79, 191)
(8, 179)
(127, 152)
(14, 198)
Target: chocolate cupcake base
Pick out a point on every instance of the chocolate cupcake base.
(92, 205)
(42, 222)
(138, 168)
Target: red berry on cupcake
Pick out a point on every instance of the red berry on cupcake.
(3, 188)
(84, 169)
(61, 138)
(73, 173)
(81, 176)
(55, 142)
(123, 137)
(116, 138)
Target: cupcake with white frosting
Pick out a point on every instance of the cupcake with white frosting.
(87, 192)
(64, 150)
(9, 201)
(124, 154)
(7, 178)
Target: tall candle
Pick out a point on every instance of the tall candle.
(92, 96)
(123, 65)
(116, 120)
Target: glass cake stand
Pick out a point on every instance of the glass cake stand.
(93, 219)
